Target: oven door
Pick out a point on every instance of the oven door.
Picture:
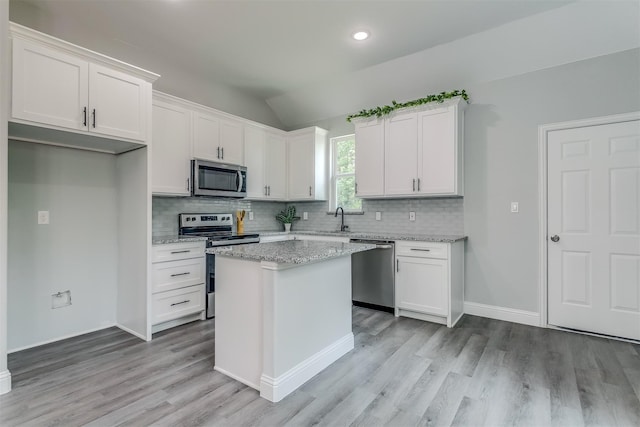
(217, 179)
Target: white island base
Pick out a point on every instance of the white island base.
(278, 325)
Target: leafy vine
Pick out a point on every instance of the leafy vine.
(387, 109)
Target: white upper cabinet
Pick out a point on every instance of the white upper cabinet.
(171, 148)
(118, 103)
(370, 158)
(265, 160)
(401, 147)
(49, 87)
(412, 153)
(217, 139)
(307, 164)
(61, 86)
(276, 167)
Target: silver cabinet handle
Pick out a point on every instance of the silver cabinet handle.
(265, 190)
(555, 238)
(181, 302)
(418, 184)
(94, 117)
(421, 250)
(181, 274)
(414, 184)
(397, 265)
(218, 152)
(84, 113)
(180, 252)
(222, 151)
(269, 188)
(309, 190)
(188, 186)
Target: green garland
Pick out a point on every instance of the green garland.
(387, 109)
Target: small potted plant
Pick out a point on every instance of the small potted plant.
(287, 217)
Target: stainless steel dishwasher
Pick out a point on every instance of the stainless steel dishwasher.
(372, 276)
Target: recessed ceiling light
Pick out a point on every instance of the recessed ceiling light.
(361, 35)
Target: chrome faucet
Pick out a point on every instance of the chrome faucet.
(342, 226)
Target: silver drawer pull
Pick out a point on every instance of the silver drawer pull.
(180, 252)
(181, 302)
(180, 274)
(421, 250)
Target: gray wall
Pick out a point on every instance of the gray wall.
(501, 165)
(77, 251)
(5, 378)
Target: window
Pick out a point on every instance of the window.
(343, 180)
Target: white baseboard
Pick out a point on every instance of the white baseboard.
(77, 334)
(276, 389)
(502, 313)
(132, 332)
(5, 382)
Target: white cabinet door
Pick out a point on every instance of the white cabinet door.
(49, 86)
(254, 148)
(276, 167)
(118, 103)
(206, 137)
(422, 285)
(171, 149)
(370, 158)
(301, 163)
(231, 143)
(437, 152)
(594, 229)
(401, 139)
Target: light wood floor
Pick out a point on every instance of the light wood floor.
(403, 372)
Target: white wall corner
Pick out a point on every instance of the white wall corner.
(5, 382)
(530, 318)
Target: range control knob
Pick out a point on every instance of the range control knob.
(193, 218)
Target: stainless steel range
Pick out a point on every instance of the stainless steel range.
(218, 228)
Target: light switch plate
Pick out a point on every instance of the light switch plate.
(305, 216)
(378, 216)
(514, 207)
(43, 217)
(412, 216)
(250, 216)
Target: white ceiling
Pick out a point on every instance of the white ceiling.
(265, 49)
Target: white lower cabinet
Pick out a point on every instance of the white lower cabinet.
(178, 290)
(430, 281)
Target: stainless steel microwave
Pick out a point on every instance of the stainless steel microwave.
(218, 179)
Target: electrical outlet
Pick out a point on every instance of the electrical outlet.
(412, 216)
(43, 217)
(378, 216)
(514, 207)
(250, 216)
(305, 216)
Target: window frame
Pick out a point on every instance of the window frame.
(333, 193)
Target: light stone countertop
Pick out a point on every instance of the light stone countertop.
(166, 239)
(373, 235)
(291, 251)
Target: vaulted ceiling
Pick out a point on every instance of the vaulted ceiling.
(261, 51)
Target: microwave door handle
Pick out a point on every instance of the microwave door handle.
(239, 181)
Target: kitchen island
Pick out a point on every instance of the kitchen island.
(283, 311)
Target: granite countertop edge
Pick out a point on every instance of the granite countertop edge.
(291, 251)
(437, 238)
(164, 240)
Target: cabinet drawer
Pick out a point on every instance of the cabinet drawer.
(176, 251)
(178, 274)
(423, 249)
(174, 304)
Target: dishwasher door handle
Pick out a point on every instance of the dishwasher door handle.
(384, 247)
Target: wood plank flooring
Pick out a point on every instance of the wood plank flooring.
(403, 372)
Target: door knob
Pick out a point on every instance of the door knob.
(555, 238)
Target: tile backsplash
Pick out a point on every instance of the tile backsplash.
(433, 216)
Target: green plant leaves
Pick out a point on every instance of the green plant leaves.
(387, 109)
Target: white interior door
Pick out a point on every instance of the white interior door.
(594, 229)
